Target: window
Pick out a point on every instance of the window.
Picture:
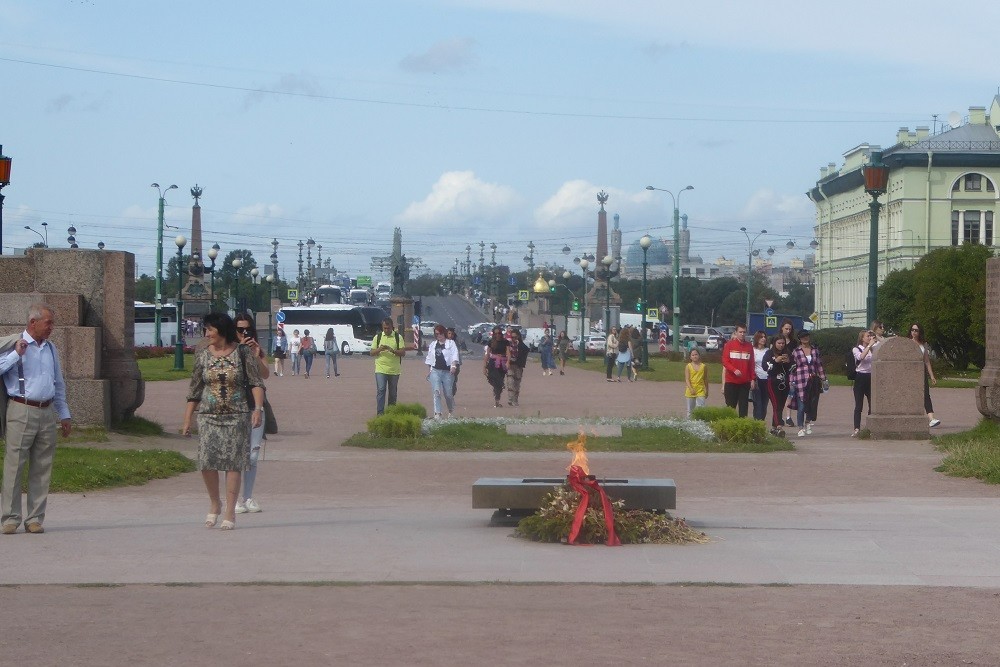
(973, 182)
(970, 227)
(989, 186)
(954, 224)
(988, 224)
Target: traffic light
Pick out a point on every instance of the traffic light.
(638, 306)
(576, 305)
(552, 289)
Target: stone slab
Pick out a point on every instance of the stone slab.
(79, 349)
(571, 429)
(898, 427)
(89, 401)
(14, 307)
(526, 493)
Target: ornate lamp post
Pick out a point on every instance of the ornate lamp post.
(270, 307)
(213, 254)
(675, 330)
(750, 255)
(644, 243)
(310, 244)
(5, 163)
(610, 271)
(254, 272)
(876, 182)
(237, 263)
(71, 239)
(583, 311)
(299, 285)
(179, 343)
(159, 263)
(273, 293)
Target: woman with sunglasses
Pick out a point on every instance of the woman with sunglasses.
(442, 364)
(777, 362)
(246, 334)
(917, 334)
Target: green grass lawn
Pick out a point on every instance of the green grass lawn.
(973, 453)
(474, 437)
(162, 368)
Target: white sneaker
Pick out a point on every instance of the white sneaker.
(251, 505)
(809, 429)
(241, 508)
(935, 422)
(802, 433)
(437, 416)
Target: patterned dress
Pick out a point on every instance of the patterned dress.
(217, 383)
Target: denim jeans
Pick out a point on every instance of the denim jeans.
(309, 362)
(331, 358)
(383, 383)
(442, 384)
(295, 362)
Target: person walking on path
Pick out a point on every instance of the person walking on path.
(495, 363)
(246, 334)
(739, 376)
(760, 399)
(863, 353)
(452, 336)
(810, 381)
(517, 359)
(307, 348)
(280, 351)
(623, 356)
(610, 351)
(442, 364)
(294, 349)
(695, 382)
(330, 351)
(917, 334)
(388, 348)
(777, 362)
(787, 331)
(545, 348)
(562, 348)
(36, 406)
(224, 373)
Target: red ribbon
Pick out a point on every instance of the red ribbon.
(582, 484)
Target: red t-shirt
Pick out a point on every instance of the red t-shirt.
(738, 356)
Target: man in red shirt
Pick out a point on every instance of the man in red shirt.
(737, 360)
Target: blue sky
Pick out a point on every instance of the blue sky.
(458, 120)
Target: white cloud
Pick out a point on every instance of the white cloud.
(458, 197)
(575, 205)
(767, 203)
(258, 213)
(447, 55)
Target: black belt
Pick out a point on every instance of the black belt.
(28, 401)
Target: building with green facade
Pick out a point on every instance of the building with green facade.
(942, 191)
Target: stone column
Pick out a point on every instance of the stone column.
(898, 392)
(988, 391)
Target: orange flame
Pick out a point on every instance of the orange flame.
(579, 449)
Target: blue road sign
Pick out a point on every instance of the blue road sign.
(838, 316)
(476, 281)
(510, 280)
(280, 317)
(769, 312)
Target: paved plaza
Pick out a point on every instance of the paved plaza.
(841, 552)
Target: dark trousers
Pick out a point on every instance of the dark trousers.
(928, 406)
(760, 400)
(609, 363)
(737, 396)
(779, 396)
(862, 389)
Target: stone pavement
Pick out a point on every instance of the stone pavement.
(835, 511)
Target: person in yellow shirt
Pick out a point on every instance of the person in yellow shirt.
(695, 382)
(388, 348)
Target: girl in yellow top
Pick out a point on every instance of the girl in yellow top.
(695, 382)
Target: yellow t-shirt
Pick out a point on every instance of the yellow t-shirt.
(697, 382)
(386, 362)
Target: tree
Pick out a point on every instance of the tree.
(801, 300)
(145, 288)
(896, 297)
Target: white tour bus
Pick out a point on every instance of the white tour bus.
(353, 326)
(145, 324)
(327, 294)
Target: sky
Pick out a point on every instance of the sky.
(459, 121)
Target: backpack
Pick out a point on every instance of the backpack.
(306, 344)
(851, 366)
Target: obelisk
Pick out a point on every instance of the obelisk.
(196, 296)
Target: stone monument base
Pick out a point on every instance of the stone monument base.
(898, 427)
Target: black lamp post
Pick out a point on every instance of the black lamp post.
(645, 242)
(180, 241)
(876, 181)
(237, 263)
(213, 254)
(584, 263)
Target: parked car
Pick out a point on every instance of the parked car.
(427, 328)
(699, 333)
(594, 344)
(727, 332)
(714, 342)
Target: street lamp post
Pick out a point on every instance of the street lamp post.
(71, 239)
(159, 264)
(583, 311)
(179, 343)
(675, 329)
(750, 255)
(876, 181)
(270, 307)
(28, 227)
(274, 292)
(644, 243)
(254, 272)
(213, 254)
(5, 163)
(237, 263)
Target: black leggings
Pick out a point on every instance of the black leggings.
(862, 389)
(737, 396)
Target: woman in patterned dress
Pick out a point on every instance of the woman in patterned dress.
(222, 371)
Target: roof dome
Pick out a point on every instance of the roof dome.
(657, 255)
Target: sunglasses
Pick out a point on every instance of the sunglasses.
(915, 329)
